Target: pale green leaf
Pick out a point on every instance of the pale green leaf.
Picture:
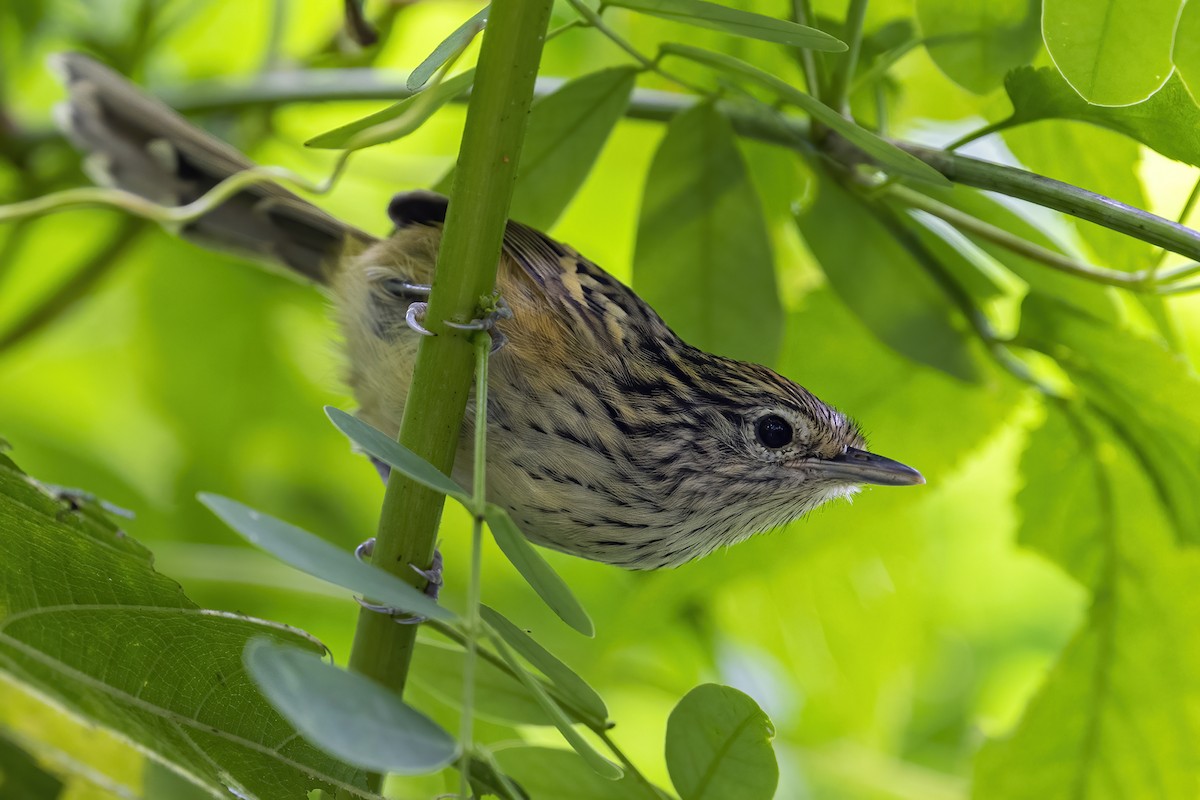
(377, 443)
(554, 773)
(881, 281)
(1112, 52)
(565, 680)
(382, 126)
(348, 714)
(447, 48)
(534, 569)
(78, 597)
(719, 746)
(601, 765)
(885, 154)
(735, 21)
(499, 697)
(976, 44)
(1186, 53)
(308, 553)
(701, 233)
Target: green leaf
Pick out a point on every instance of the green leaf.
(1112, 52)
(454, 43)
(599, 764)
(422, 105)
(1168, 122)
(567, 130)
(89, 624)
(1116, 717)
(1062, 516)
(1144, 391)
(534, 569)
(1186, 53)
(308, 553)
(554, 773)
(348, 714)
(976, 44)
(881, 281)
(159, 782)
(573, 687)
(735, 21)
(701, 228)
(886, 155)
(21, 777)
(499, 697)
(719, 746)
(377, 443)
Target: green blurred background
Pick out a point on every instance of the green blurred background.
(886, 638)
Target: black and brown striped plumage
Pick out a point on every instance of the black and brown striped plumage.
(609, 437)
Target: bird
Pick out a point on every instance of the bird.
(609, 437)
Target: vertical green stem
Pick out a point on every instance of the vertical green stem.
(839, 88)
(483, 345)
(466, 271)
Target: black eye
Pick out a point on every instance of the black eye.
(774, 431)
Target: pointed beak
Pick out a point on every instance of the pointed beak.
(859, 466)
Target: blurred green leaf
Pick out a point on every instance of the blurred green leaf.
(1062, 510)
(454, 43)
(308, 553)
(1146, 392)
(21, 777)
(78, 596)
(534, 569)
(601, 765)
(736, 22)
(1168, 121)
(160, 782)
(1117, 716)
(566, 680)
(348, 714)
(567, 131)
(1113, 52)
(970, 268)
(423, 105)
(889, 157)
(703, 257)
(553, 773)
(1186, 53)
(499, 697)
(976, 44)
(377, 443)
(719, 746)
(881, 281)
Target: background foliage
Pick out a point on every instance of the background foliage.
(1021, 627)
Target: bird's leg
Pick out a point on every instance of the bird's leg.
(433, 585)
(415, 317)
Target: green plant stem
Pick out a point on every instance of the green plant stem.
(839, 86)
(466, 271)
(811, 61)
(472, 624)
(1188, 206)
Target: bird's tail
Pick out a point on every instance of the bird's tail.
(134, 142)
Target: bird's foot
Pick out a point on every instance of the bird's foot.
(415, 317)
(433, 584)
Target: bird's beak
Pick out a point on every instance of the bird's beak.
(859, 466)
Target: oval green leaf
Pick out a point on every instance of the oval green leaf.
(719, 746)
(701, 226)
(452, 44)
(312, 554)
(976, 44)
(1112, 52)
(601, 765)
(423, 105)
(573, 687)
(499, 697)
(1186, 54)
(886, 155)
(735, 21)
(395, 455)
(538, 574)
(348, 714)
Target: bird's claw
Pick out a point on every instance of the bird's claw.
(415, 317)
(433, 585)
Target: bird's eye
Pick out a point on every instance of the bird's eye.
(774, 431)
